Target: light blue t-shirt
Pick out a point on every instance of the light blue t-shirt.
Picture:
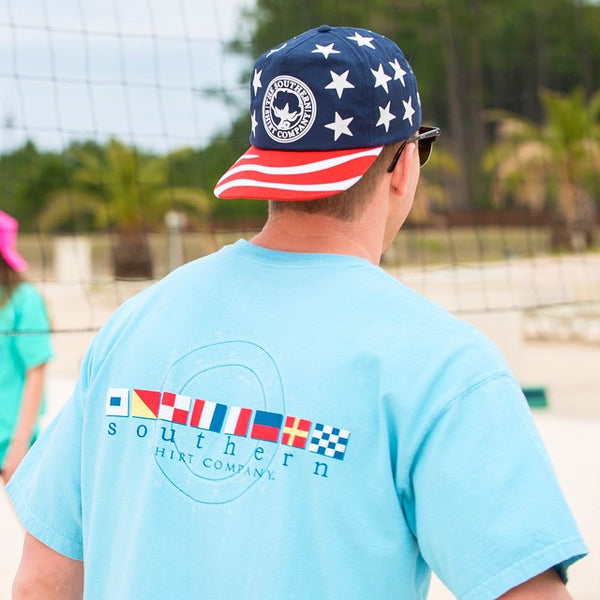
(267, 425)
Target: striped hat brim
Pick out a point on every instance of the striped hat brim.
(278, 175)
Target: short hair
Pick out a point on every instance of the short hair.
(349, 204)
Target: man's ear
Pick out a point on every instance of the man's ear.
(401, 172)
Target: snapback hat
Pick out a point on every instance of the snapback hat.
(322, 106)
(8, 242)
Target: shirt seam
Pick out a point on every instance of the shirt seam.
(329, 259)
(446, 407)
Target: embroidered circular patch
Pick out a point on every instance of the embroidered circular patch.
(289, 109)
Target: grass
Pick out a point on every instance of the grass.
(465, 245)
(413, 247)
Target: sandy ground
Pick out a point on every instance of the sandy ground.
(568, 370)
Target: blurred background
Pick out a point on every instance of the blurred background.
(118, 118)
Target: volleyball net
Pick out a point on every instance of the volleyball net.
(120, 117)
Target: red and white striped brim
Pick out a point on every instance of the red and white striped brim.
(280, 175)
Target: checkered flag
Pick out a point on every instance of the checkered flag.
(329, 441)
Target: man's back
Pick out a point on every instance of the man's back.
(266, 424)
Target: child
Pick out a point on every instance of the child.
(25, 349)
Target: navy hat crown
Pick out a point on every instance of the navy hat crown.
(333, 88)
(323, 105)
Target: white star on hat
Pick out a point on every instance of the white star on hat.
(325, 50)
(399, 72)
(340, 126)
(381, 78)
(409, 111)
(362, 40)
(256, 80)
(385, 116)
(254, 122)
(339, 83)
(276, 49)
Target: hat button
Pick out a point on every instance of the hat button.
(324, 29)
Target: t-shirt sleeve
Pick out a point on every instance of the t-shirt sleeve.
(46, 488)
(487, 508)
(34, 345)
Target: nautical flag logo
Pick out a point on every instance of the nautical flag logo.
(174, 408)
(329, 441)
(117, 402)
(266, 426)
(145, 404)
(238, 420)
(291, 431)
(208, 415)
(295, 432)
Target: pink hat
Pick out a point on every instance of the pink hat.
(8, 239)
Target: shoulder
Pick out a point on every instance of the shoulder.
(429, 350)
(26, 290)
(419, 318)
(26, 297)
(151, 308)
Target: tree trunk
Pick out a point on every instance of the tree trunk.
(574, 227)
(461, 196)
(475, 126)
(132, 258)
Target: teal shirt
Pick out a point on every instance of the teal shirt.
(267, 425)
(25, 311)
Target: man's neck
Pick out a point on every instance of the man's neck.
(292, 231)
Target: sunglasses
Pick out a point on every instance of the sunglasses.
(424, 139)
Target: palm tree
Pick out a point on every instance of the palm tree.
(123, 191)
(552, 166)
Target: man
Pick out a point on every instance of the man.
(282, 419)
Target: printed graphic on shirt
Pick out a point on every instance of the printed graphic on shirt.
(208, 415)
(218, 420)
(117, 402)
(329, 441)
(145, 404)
(238, 421)
(174, 408)
(295, 432)
(266, 426)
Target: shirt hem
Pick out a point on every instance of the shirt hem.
(567, 551)
(40, 530)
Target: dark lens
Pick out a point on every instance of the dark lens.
(425, 150)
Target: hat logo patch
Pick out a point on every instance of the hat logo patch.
(289, 109)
